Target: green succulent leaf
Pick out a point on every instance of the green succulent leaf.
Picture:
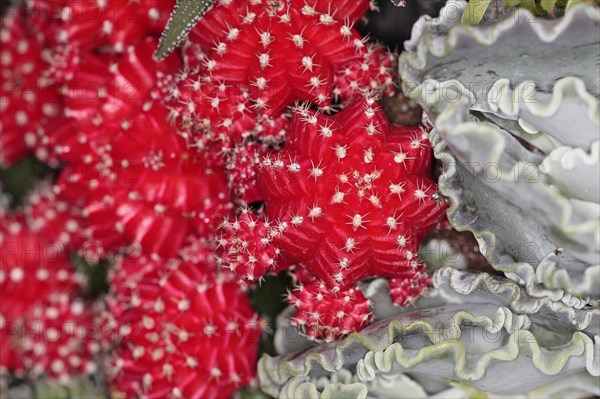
(548, 5)
(475, 11)
(185, 15)
(535, 6)
(543, 7)
(76, 389)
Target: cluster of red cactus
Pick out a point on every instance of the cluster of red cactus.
(160, 170)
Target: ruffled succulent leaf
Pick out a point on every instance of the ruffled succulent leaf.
(580, 385)
(545, 7)
(507, 168)
(574, 171)
(538, 224)
(415, 353)
(572, 3)
(511, 239)
(182, 20)
(428, 341)
(436, 27)
(397, 386)
(472, 287)
(413, 386)
(471, 53)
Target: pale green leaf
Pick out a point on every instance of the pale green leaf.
(512, 3)
(533, 6)
(548, 5)
(475, 11)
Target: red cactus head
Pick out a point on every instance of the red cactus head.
(353, 193)
(63, 338)
(325, 315)
(91, 24)
(186, 331)
(52, 218)
(28, 100)
(374, 72)
(134, 178)
(43, 328)
(216, 116)
(291, 56)
(31, 268)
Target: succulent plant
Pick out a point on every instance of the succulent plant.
(214, 116)
(185, 15)
(323, 313)
(519, 144)
(488, 111)
(62, 342)
(52, 218)
(239, 163)
(478, 324)
(376, 72)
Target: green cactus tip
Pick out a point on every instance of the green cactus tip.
(185, 15)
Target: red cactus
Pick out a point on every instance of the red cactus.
(197, 250)
(91, 24)
(241, 174)
(374, 72)
(57, 141)
(52, 218)
(32, 268)
(218, 119)
(352, 192)
(273, 131)
(43, 328)
(148, 188)
(185, 331)
(326, 315)
(293, 53)
(404, 290)
(216, 115)
(28, 100)
(112, 89)
(62, 338)
(247, 246)
(63, 62)
(349, 198)
(193, 55)
(134, 178)
(102, 99)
